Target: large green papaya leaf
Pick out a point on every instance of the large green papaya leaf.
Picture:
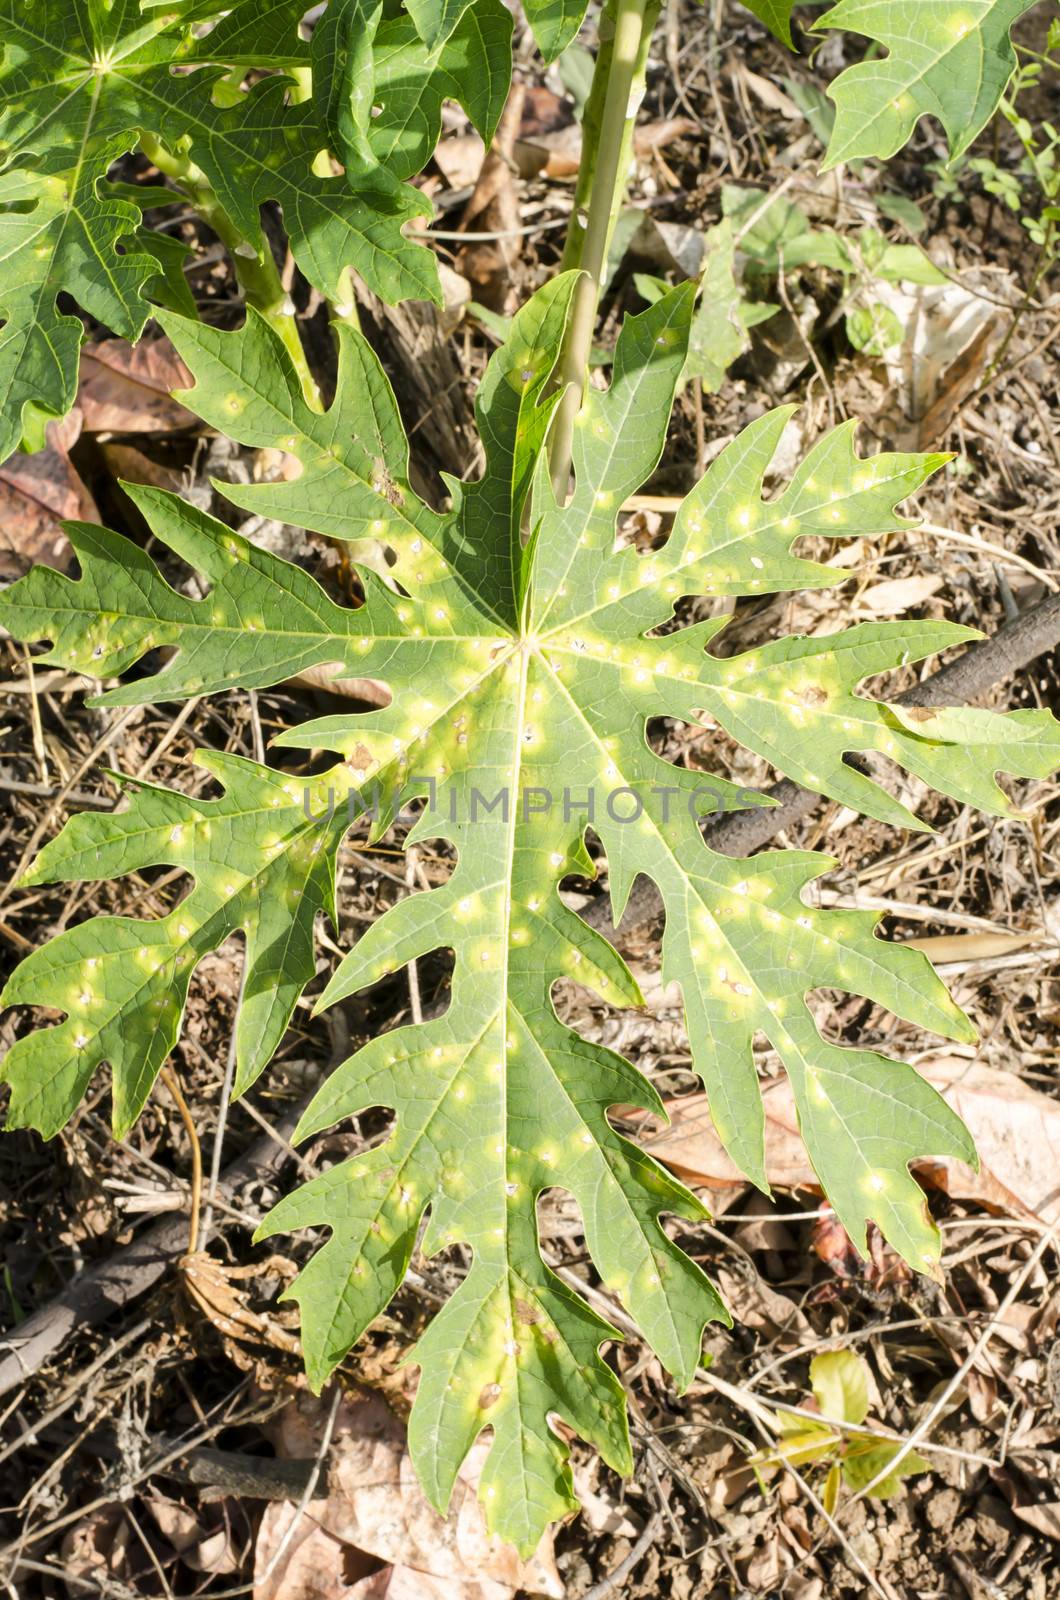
(526, 651)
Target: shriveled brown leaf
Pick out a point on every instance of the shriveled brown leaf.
(96, 1549)
(205, 1543)
(314, 1566)
(897, 595)
(37, 492)
(557, 152)
(1043, 1518)
(125, 388)
(961, 947)
(460, 159)
(1016, 1131)
(375, 1506)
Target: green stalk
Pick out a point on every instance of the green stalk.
(259, 279)
(607, 147)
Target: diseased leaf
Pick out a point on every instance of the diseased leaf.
(521, 648)
(262, 865)
(81, 84)
(948, 59)
(385, 104)
(57, 235)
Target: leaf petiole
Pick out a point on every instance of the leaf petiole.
(610, 117)
(259, 278)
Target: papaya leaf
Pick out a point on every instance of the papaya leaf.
(525, 652)
(554, 22)
(384, 87)
(948, 59)
(82, 83)
(263, 865)
(57, 234)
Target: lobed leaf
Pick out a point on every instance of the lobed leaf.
(383, 88)
(57, 234)
(948, 59)
(262, 866)
(81, 84)
(526, 653)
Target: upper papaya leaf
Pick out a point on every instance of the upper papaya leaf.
(82, 83)
(520, 646)
(57, 234)
(263, 148)
(383, 87)
(554, 22)
(948, 59)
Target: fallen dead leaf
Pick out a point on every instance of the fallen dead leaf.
(1043, 1518)
(130, 465)
(947, 948)
(557, 152)
(1016, 1131)
(125, 388)
(460, 158)
(203, 1545)
(96, 1549)
(37, 492)
(947, 333)
(897, 595)
(375, 1508)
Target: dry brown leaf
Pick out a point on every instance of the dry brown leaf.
(460, 158)
(766, 92)
(1016, 1131)
(375, 1507)
(203, 1546)
(314, 1566)
(36, 493)
(1043, 1518)
(950, 947)
(896, 595)
(557, 153)
(130, 465)
(96, 1548)
(125, 388)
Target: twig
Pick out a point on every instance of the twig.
(222, 1117)
(172, 1083)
